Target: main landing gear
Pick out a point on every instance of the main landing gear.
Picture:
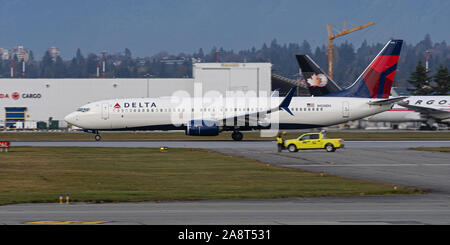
(429, 125)
(237, 136)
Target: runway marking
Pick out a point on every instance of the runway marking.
(69, 222)
(366, 165)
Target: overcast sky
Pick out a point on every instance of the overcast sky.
(148, 27)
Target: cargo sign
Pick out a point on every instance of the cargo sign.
(16, 96)
(4, 144)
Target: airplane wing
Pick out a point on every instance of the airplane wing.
(387, 101)
(258, 115)
(432, 112)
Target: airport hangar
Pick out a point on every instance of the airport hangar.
(25, 102)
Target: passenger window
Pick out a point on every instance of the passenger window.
(314, 136)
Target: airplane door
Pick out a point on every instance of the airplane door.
(345, 109)
(105, 111)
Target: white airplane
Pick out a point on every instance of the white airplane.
(208, 116)
(426, 109)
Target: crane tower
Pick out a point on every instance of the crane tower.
(332, 35)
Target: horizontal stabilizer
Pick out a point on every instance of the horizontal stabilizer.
(387, 101)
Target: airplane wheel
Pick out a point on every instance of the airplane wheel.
(292, 148)
(330, 148)
(98, 137)
(237, 136)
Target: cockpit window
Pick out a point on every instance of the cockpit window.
(83, 109)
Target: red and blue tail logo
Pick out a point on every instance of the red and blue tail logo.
(376, 80)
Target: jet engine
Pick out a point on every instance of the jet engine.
(202, 128)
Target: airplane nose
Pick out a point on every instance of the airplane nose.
(70, 118)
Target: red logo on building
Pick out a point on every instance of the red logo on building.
(15, 95)
(4, 144)
(117, 106)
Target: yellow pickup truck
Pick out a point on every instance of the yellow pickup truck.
(313, 141)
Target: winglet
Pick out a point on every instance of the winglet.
(287, 100)
(276, 92)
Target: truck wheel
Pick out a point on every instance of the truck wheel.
(292, 148)
(330, 148)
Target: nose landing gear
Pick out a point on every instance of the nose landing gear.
(98, 137)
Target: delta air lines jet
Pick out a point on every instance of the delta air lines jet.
(208, 116)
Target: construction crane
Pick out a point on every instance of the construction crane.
(332, 36)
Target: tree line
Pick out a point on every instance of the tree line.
(349, 62)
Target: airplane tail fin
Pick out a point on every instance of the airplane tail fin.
(376, 80)
(319, 84)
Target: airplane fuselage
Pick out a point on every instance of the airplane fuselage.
(169, 114)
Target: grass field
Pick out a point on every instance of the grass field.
(118, 136)
(438, 149)
(40, 174)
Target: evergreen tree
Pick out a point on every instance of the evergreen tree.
(442, 81)
(91, 63)
(420, 81)
(200, 54)
(78, 65)
(127, 53)
(47, 70)
(59, 68)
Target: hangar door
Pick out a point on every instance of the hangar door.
(14, 114)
